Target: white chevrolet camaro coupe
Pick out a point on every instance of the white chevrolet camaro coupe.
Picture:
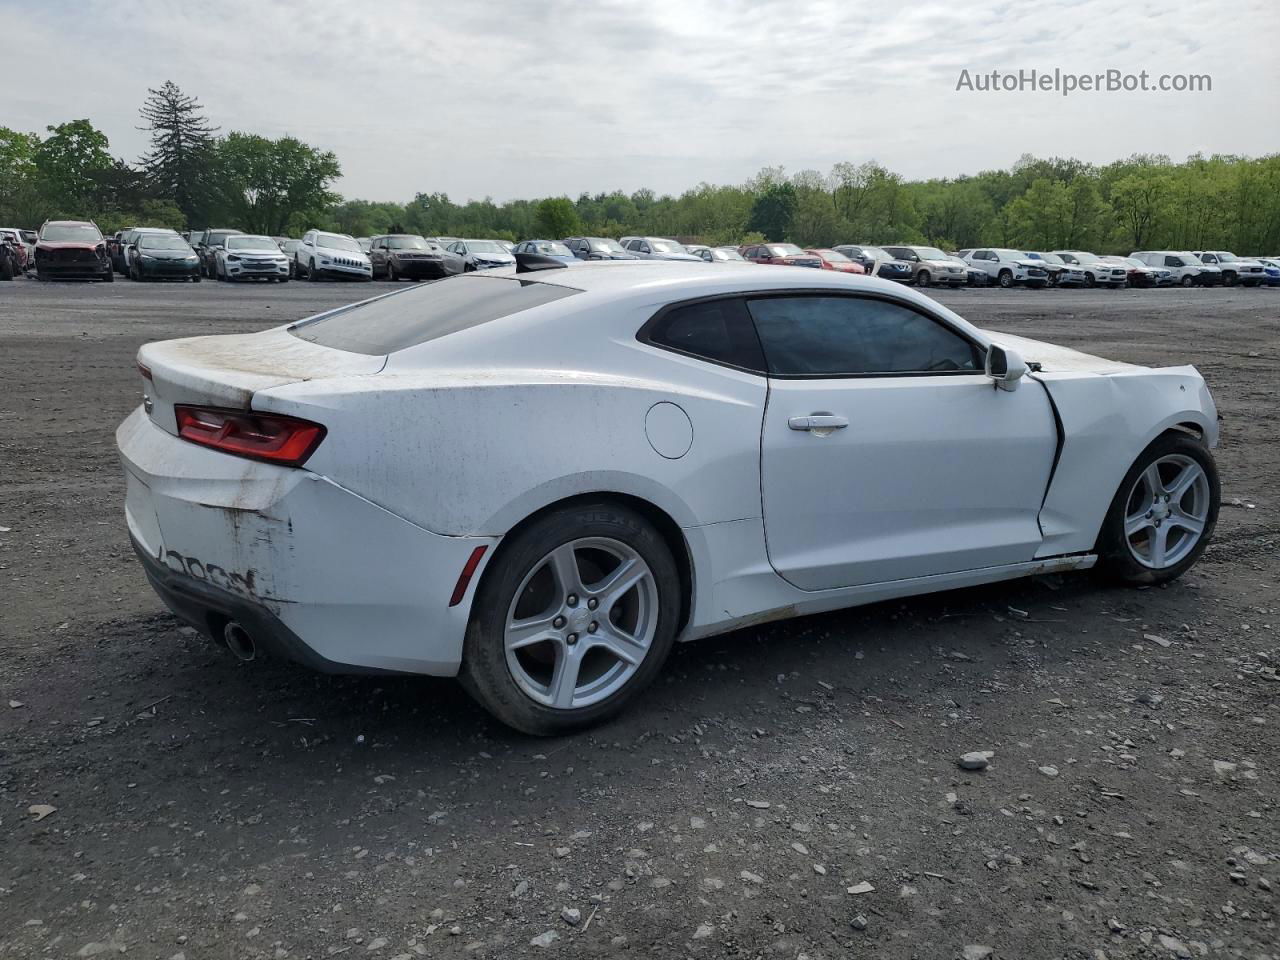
(539, 478)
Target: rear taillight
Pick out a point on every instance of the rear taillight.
(286, 441)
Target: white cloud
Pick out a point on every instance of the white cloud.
(510, 99)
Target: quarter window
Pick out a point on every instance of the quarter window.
(715, 330)
(817, 336)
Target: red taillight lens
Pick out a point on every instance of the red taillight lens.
(286, 441)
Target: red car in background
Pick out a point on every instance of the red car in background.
(783, 254)
(72, 248)
(13, 236)
(831, 260)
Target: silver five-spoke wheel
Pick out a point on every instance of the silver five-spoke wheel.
(581, 623)
(1167, 511)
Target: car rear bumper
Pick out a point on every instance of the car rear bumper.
(311, 570)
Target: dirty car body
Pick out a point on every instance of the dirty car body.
(453, 416)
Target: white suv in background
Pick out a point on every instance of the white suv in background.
(1187, 269)
(1009, 267)
(335, 254)
(1097, 272)
(1249, 273)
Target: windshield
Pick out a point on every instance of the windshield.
(160, 241)
(666, 246)
(219, 239)
(407, 243)
(485, 246)
(832, 256)
(1228, 257)
(549, 248)
(784, 250)
(607, 246)
(1013, 254)
(727, 255)
(1131, 261)
(336, 242)
(247, 242)
(875, 253)
(1048, 257)
(387, 324)
(1087, 258)
(931, 253)
(290, 245)
(71, 233)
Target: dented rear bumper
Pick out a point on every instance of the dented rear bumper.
(328, 577)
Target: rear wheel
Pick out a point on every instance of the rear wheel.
(574, 617)
(1163, 515)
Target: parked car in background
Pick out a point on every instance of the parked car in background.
(289, 247)
(248, 256)
(832, 260)
(11, 261)
(322, 254)
(1097, 272)
(1248, 273)
(785, 452)
(365, 243)
(1009, 268)
(407, 256)
(506, 245)
(206, 244)
(715, 254)
(930, 265)
(13, 236)
(115, 250)
(1061, 273)
(657, 248)
(597, 248)
(163, 256)
(779, 254)
(72, 249)
(1139, 274)
(1185, 268)
(1271, 266)
(546, 248)
(877, 261)
(483, 254)
(129, 243)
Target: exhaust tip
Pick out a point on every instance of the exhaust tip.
(239, 642)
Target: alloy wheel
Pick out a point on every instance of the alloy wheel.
(1167, 511)
(581, 623)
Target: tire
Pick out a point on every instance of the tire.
(284, 279)
(134, 274)
(923, 279)
(522, 575)
(1118, 559)
(391, 272)
(110, 277)
(312, 275)
(1005, 279)
(1187, 280)
(1090, 280)
(1229, 279)
(6, 268)
(196, 278)
(1036, 284)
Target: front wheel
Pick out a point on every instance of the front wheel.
(1163, 515)
(1188, 281)
(312, 274)
(574, 617)
(923, 279)
(392, 275)
(1006, 279)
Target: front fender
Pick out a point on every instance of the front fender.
(1106, 421)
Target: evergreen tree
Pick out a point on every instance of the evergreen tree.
(181, 148)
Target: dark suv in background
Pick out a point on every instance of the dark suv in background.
(72, 248)
(206, 244)
(407, 256)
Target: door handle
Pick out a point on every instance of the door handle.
(818, 421)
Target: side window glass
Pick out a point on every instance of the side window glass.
(716, 330)
(817, 336)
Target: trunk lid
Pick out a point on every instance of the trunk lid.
(226, 371)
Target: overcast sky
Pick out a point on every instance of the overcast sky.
(531, 99)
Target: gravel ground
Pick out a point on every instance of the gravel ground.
(786, 791)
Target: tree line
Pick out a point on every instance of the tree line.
(193, 176)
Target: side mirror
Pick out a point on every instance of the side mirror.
(1005, 367)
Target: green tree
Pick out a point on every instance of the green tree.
(269, 186)
(1138, 200)
(180, 161)
(67, 162)
(557, 217)
(772, 211)
(19, 197)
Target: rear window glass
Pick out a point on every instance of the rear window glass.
(426, 312)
